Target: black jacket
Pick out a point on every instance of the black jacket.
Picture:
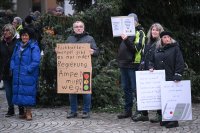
(170, 59)
(84, 38)
(6, 51)
(149, 51)
(127, 50)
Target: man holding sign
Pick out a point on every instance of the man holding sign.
(80, 36)
(129, 57)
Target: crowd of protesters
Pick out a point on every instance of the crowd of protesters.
(20, 60)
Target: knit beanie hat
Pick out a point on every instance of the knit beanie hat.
(133, 15)
(165, 33)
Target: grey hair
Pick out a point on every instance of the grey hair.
(149, 35)
(18, 19)
(11, 28)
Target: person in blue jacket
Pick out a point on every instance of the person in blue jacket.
(24, 66)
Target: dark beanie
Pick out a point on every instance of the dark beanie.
(133, 15)
(29, 19)
(165, 33)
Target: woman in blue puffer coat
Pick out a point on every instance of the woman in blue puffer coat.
(25, 69)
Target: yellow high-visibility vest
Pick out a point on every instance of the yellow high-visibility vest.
(138, 55)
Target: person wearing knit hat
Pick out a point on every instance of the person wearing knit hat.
(134, 15)
(166, 33)
(168, 57)
(129, 57)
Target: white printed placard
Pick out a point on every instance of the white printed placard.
(123, 25)
(176, 100)
(148, 85)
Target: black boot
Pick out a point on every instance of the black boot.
(21, 112)
(11, 112)
(140, 116)
(172, 124)
(124, 115)
(163, 123)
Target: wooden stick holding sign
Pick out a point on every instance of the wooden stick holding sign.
(74, 68)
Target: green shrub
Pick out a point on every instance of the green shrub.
(189, 74)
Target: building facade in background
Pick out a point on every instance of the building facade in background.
(25, 7)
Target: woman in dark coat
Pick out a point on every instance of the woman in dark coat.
(7, 45)
(153, 41)
(25, 68)
(168, 57)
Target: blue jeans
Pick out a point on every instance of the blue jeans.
(9, 94)
(128, 83)
(74, 104)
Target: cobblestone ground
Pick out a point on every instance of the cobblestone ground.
(48, 120)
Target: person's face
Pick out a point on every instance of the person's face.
(25, 38)
(78, 28)
(166, 39)
(7, 33)
(58, 12)
(155, 33)
(14, 23)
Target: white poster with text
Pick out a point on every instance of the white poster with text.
(176, 100)
(148, 85)
(123, 25)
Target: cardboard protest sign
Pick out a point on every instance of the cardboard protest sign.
(74, 68)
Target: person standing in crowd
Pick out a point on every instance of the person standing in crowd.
(80, 36)
(153, 41)
(24, 65)
(29, 22)
(17, 23)
(7, 46)
(129, 57)
(59, 11)
(168, 57)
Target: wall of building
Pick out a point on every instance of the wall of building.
(24, 7)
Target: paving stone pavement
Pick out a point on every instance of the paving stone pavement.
(53, 120)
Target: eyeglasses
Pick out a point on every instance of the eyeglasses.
(81, 26)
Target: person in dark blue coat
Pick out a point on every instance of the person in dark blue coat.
(24, 65)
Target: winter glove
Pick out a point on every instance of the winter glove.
(177, 77)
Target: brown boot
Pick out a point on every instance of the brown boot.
(28, 114)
